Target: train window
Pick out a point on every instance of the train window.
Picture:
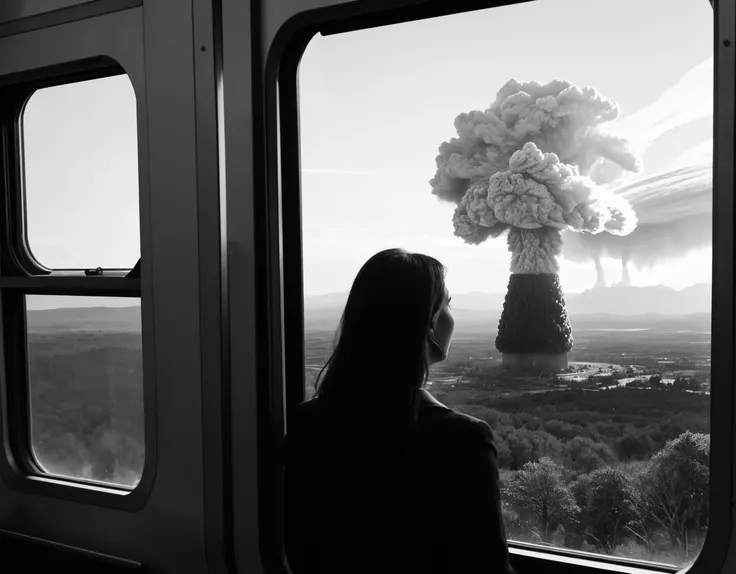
(80, 167)
(586, 153)
(71, 308)
(85, 385)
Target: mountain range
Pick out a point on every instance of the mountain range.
(118, 319)
(615, 306)
(616, 300)
(600, 307)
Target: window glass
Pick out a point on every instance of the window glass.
(85, 369)
(597, 375)
(81, 174)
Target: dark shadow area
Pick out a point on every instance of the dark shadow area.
(36, 554)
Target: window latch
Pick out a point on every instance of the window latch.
(97, 271)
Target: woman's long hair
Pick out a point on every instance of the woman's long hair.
(380, 354)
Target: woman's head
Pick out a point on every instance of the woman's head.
(396, 322)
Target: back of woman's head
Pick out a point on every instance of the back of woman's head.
(380, 354)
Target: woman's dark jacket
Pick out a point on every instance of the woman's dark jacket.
(358, 500)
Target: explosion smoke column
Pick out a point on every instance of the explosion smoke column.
(529, 165)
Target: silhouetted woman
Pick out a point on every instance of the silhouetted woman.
(380, 476)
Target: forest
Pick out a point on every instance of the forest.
(655, 510)
(86, 404)
(586, 430)
(622, 471)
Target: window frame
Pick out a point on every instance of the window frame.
(16, 99)
(21, 274)
(282, 312)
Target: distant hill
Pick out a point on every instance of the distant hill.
(616, 300)
(474, 300)
(619, 300)
(700, 322)
(85, 319)
(471, 321)
(602, 307)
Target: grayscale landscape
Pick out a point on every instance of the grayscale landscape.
(609, 433)
(636, 383)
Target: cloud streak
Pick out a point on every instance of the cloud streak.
(688, 100)
(699, 154)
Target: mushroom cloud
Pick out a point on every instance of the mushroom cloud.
(536, 199)
(559, 117)
(528, 165)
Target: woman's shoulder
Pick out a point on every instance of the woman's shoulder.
(304, 412)
(307, 406)
(467, 426)
(433, 415)
(453, 423)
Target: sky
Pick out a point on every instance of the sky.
(376, 104)
(374, 107)
(81, 174)
(81, 182)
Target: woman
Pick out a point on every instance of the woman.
(380, 476)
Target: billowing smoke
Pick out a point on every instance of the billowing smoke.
(675, 217)
(536, 198)
(558, 117)
(534, 251)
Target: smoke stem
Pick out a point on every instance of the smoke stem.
(601, 281)
(534, 251)
(625, 276)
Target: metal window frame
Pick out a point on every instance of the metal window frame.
(20, 19)
(21, 274)
(282, 297)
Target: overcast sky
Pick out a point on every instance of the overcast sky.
(374, 107)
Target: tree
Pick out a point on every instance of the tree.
(634, 444)
(674, 489)
(505, 457)
(695, 384)
(609, 505)
(538, 491)
(655, 381)
(520, 448)
(586, 455)
(576, 530)
(680, 384)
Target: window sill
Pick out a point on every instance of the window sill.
(585, 561)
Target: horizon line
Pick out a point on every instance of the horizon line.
(595, 287)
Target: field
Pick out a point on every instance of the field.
(474, 359)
